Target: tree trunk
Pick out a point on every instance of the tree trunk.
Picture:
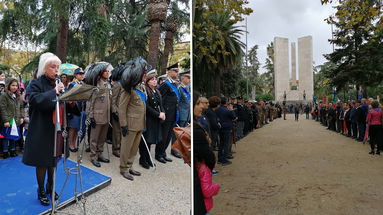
(167, 49)
(217, 82)
(62, 39)
(153, 44)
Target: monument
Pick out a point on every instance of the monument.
(293, 89)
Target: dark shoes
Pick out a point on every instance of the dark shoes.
(116, 153)
(42, 197)
(161, 159)
(230, 157)
(5, 155)
(372, 153)
(175, 154)
(96, 163)
(378, 152)
(134, 172)
(167, 159)
(49, 192)
(104, 160)
(73, 150)
(225, 162)
(144, 164)
(127, 176)
(13, 154)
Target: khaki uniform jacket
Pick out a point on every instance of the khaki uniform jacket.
(99, 106)
(116, 93)
(132, 110)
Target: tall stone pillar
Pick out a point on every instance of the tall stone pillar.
(305, 63)
(293, 63)
(281, 67)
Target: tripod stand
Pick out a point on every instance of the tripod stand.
(79, 196)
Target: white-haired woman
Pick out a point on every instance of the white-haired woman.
(39, 145)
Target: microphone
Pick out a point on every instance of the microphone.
(58, 81)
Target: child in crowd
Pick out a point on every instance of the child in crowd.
(11, 112)
(204, 167)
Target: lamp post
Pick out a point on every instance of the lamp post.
(334, 94)
(247, 70)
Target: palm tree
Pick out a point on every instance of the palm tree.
(219, 53)
(171, 25)
(156, 14)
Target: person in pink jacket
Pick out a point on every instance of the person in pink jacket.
(208, 188)
(374, 121)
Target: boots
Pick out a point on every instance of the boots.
(42, 197)
(49, 191)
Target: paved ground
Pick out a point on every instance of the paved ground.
(164, 191)
(300, 168)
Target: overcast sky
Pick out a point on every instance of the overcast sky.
(290, 19)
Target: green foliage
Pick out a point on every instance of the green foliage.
(4, 67)
(230, 81)
(265, 97)
(244, 88)
(265, 82)
(358, 34)
(217, 47)
(236, 7)
(99, 30)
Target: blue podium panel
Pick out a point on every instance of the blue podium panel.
(18, 193)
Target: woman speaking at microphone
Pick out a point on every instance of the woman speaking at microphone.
(39, 144)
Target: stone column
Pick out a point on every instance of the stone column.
(281, 67)
(305, 63)
(293, 63)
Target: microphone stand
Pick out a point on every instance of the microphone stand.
(79, 196)
(57, 129)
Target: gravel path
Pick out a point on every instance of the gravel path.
(300, 168)
(164, 191)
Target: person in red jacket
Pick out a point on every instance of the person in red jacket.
(208, 188)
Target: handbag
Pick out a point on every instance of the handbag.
(183, 143)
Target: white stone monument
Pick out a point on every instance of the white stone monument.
(301, 89)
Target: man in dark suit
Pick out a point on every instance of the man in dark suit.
(170, 99)
(362, 116)
(226, 118)
(353, 118)
(241, 117)
(296, 111)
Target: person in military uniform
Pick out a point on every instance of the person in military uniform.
(154, 116)
(132, 114)
(116, 93)
(170, 100)
(184, 104)
(98, 110)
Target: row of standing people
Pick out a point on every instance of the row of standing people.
(216, 124)
(360, 120)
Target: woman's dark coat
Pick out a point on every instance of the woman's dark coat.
(153, 123)
(39, 143)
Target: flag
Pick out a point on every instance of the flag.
(13, 132)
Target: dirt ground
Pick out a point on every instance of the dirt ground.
(290, 167)
(163, 191)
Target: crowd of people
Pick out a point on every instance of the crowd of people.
(220, 122)
(360, 120)
(134, 107)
